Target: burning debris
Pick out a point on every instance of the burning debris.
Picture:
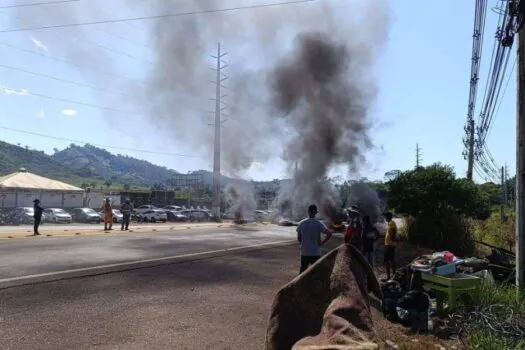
(366, 199)
(240, 201)
(322, 91)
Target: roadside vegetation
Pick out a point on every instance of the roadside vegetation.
(443, 212)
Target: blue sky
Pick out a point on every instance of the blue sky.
(423, 77)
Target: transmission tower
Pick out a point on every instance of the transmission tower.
(418, 156)
(219, 101)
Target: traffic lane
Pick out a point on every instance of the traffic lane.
(46, 255)
(219, 303)
(81, 227)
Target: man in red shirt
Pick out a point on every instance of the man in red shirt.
(354, 231)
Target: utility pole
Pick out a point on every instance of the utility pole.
(520, 164)
(471, 132)
(505, 187)
(418, 156)
(216, 182)
(503, 196)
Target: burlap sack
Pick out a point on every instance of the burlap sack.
(327, 307)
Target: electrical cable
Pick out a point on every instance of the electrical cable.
(103, 47)
(72, 82)
(496, 113)
(39, 4)
(99, 145)
(181, 14)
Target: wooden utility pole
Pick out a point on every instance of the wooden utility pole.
(520, 164)
(502, 206)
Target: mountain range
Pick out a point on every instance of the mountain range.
(88, 164)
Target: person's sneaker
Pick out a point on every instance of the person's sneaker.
(36, 234)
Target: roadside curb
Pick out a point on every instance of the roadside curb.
(132, 265)
(9, 236)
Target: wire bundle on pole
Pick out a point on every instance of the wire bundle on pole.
(486, 166)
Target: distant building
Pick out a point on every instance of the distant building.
(21, 188)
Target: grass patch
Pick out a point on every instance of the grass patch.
(486, 341)
(495, 325)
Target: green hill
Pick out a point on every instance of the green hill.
(93, 167)
(94, 162)
(13, 157)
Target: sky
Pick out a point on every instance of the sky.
(422, 75)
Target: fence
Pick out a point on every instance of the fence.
(47, 199)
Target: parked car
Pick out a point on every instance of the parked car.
(24, 215)
(58, 216)
(172, 208)
(118, 217)
(176, 216)
(154, 216)
(143, 208)
(86, 215)
(197, 215)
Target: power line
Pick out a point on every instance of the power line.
(14, 47)
(80, 38)
(87, 104)
(181, 14)
(100, 145)
(39, 4)
(72, 82)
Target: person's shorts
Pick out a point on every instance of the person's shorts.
(390, 253)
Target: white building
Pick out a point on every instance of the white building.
(21, 188)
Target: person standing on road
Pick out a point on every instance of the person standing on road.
(37, 215)
(390, 246)
(126, 209)
(309, 236)
(108, 215)
(370, 235)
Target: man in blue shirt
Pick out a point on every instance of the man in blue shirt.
(309, 236)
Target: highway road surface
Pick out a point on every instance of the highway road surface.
(44, 255)
(220, 304)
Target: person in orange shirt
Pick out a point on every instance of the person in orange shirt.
(107, 209)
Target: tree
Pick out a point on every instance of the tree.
(437, 204)
(108, 183)
(493, 192)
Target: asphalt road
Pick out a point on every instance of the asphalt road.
(76, 226)
(54, 254)
(219, 303)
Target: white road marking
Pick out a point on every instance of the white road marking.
(101, 269)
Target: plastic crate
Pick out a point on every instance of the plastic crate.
(443, 270)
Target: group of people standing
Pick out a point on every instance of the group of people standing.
(360, 233)
(126, 208)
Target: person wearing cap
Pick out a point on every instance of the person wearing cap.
(38, 210)
(108, 215)
(126, 210)
(309, 236)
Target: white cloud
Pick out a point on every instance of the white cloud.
(39, 44)
(69, 112)
(40, 114)
(9, 91)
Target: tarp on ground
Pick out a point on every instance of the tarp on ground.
(327, 307)
(24, 180)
